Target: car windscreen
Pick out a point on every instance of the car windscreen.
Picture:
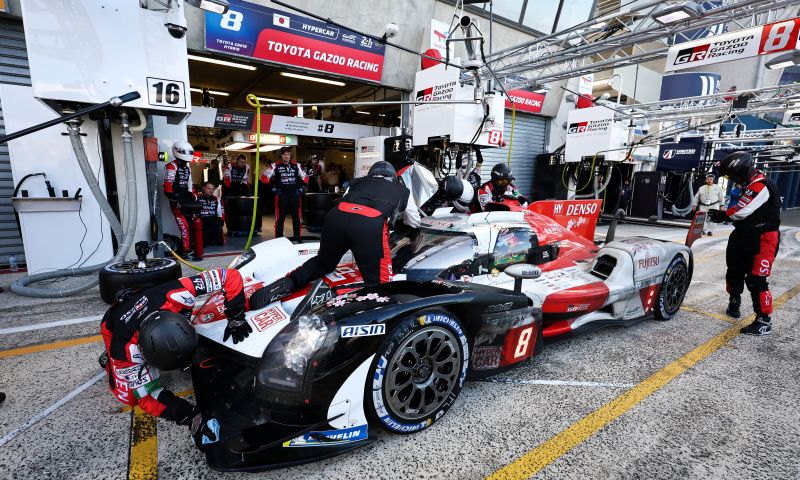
(423, 254)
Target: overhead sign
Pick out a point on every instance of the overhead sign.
(439, 33)
(791, 117)
(266, 138)
(234, 119)
(682, 156)
(771, 38)
(525, 101)
(590, 132)
(255, 31)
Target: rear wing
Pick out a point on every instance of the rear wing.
(578, 216)
(696, 229)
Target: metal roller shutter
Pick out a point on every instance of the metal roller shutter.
(13, 70)
(529, 141)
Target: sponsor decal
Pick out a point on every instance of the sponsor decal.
(234, 120)
(301, 253)
(486, 358)
(500, 307)
(363, 330)
(444, 283)
(137, 307)
(268, 318)
(437, 92)
(648, 262)
(354, 297)
(669, 154)
(526, 101)
(589, 126)
(578, 308)
(329, 437)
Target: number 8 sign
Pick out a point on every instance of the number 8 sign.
(777, 37)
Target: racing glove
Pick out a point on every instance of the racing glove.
(522, 199)
(205, 431)
(717, 216)
(238, 328)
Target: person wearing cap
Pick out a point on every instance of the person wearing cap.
(314, 173)
(288, 181)
(709, 197)
(360, 223)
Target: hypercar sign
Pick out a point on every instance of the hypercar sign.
(751, 42)
(263, 33)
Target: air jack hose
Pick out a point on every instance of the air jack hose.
(255, 102)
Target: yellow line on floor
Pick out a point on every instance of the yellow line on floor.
(724, 318)
(49, 346)
(552, 449)
(143, 464)
(179, 394)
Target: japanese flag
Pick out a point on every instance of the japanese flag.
(280, 20)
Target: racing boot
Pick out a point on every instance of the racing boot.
(271, 293)
(733, 306)
(761, 326)
(103, 360)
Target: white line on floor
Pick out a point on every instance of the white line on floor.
(11, 435)
(39, 326)
(559, 383)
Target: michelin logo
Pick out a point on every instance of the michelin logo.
(363, 330)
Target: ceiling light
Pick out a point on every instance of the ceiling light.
(678, 13)
(786, 60)
(274, 100)
(313, 79)
(239, 146)
(216, 6)
(212, 92)
(362, 112)
(381, 115)
(220, 62)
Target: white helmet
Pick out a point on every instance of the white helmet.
(183, 151)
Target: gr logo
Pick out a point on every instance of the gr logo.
(363, 330)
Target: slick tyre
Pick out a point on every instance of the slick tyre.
(673, 289)
(418, 372)
(129, 274)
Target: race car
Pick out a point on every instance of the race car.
(475, 295)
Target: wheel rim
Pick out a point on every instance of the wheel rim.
(130, 266)
(422, 373)
(674, 289)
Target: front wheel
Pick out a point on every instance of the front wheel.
(418, 372)
(673, 289)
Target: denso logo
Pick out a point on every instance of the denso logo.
(363, 330)
(582, 209)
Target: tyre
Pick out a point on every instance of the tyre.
(239, 205)
(673, 288)
(418, 372)
(241, 223)
(128, 274)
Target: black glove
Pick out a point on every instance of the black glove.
(522, 199)
(717, 216)
(238, 328)
(205, 431)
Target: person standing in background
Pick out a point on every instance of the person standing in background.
(236, 179)
(314, 173)
(213, 173)
(625, 193)
(709, 197)
(288, 181)
(212, 215)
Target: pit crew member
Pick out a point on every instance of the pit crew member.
(236, 178)
(179, 189)
(499, 186)
(212, 215)
(288, 181)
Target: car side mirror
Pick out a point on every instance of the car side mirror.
(520, 272)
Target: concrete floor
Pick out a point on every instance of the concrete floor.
(599, 406)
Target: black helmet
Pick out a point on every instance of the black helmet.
(738, 166)
(167, 340)
(501, 175)
(453, 187)
(382, 169)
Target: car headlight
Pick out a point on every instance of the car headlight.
(311, 331)
(243, 259)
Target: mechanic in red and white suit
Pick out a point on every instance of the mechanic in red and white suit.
(179, 189)
(753, 245)
(499, 186)
(147, 330)
(288, 181)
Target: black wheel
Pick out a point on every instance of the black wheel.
(239, 205)
(129, 274)
(418, 372)
(241, 223)
(673, 289)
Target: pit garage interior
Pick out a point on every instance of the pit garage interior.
(608, 118)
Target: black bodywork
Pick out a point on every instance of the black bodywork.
(262, 405)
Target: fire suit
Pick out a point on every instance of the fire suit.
(488, 193)
(288, 181)
(753, 245)
(359, 223)
(236, 181)
(130, 378)
(212, 215)
(178, 188)
(709, 197)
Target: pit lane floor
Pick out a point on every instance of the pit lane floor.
(688, 398)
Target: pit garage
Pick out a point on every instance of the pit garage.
(584, 188)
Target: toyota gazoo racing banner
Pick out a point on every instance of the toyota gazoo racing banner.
(771, 38)
(251, 30)
(578, 216)
(525, 101)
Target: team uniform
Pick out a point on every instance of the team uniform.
(488, 193)
(212, 214)
(130, 378)
(236, 181)
(288, 181)
(314, 174)
(178, 188)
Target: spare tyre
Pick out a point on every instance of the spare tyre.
(132, 274)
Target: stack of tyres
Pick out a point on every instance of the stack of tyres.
(315, 207)
(239, 214)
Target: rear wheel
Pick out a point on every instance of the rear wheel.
(673, 289)
(418, 372)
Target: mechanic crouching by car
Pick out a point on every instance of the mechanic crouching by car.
(499, 186)
(360, 224)
(753, 245)
(147, 330)
(179, 189)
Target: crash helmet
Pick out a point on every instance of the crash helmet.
(183, 151)
(501, 175)
(458, 189)
(167, 340)
(738, 166)
(384, 170)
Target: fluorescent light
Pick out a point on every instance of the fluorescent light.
(678, 13)
(239, 146)
(362, 112)
(220, 62)
(381, 115)
(274, 100)
(212, 92)
(786, 60)
(313, 79)
(216, 6)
